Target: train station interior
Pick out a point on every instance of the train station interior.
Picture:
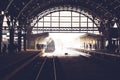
(59, 39)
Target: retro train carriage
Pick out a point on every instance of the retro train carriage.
(41, 47)
(50, 47)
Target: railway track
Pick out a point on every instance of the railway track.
(63, 68)
(38, 68)
(47, 70)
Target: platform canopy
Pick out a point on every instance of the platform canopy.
(90, 36)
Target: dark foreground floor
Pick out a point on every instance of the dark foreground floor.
(81, 68)
(67, 68)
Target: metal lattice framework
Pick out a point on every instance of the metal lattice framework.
(64, 8)
(25, 11)
(66, 29)
(29, 9)
(67, 26)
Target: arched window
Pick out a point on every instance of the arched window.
(68, 19)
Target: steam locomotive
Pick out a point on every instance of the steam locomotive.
(48, 48)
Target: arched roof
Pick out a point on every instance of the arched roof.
(103, 9)
(65, 8)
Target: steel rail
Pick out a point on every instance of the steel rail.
(41, 69)
(43, 64)
(55, 75)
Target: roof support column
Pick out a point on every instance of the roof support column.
(109, 46)
(12, 36)
(118, 24)
(102, 42)
(19, 39)
(1, 22)
(102, 39)
(25, 41)
(28, 32)
(11, 46)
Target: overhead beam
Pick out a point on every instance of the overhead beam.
(11, 1)
(67, 29)
(117, 7)
(24, 8)
(113, 2)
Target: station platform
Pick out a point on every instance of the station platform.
(102, 54)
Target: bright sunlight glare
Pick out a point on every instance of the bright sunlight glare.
(64, 42)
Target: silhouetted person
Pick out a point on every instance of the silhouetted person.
(86, 46)
(38, 46)
(90, 46)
